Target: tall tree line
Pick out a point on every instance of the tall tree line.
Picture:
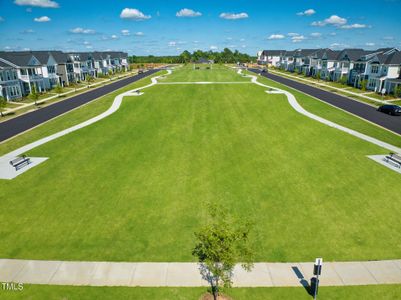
(225, 56)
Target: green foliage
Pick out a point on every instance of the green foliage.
(58, 89)
(222, 244)
(363, 85)
(397, 91)
(318, 76)
(226, 56)
(343, 80)
(34, 95)
(3, 103)
(89, 79)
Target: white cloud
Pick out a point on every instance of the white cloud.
(82, 30)
(293, 34)
(139, 33)
(2, 19)
(333, 33)
(388, 38)
(42, 19)
(134, 14)
(37, 3)
(333, 20)
(276, 37)
(316, 34)
(354, 26)
(298, 38)
(307, 12)
(370, 44)
(339, 46)
(172, 44)
(114, 37)
(186, 12)
(125, 32)
(86, 43)
(242, 40)
(231, 16)
(214, 47)
(89, 47)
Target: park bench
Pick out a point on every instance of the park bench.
(394, 158)
(19, 162)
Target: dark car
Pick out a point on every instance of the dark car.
(390, 109)
(140, 71)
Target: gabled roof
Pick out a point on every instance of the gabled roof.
(60, 57)
(273, 52)
(353, 54)
(393, 59)
(19, 59)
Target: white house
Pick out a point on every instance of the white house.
(270, 57)
(10, 87)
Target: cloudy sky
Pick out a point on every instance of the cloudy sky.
(168, 27)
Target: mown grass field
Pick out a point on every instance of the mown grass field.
(132, 187)
(39, 292)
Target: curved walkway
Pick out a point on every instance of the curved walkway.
(19, 124)
(294, 103)
(354, 107)
(190, 274)
(113, 108)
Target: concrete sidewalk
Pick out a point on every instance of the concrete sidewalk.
(188, 274)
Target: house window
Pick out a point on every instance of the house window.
(374, 69)
(51, 69)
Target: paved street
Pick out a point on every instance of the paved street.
(360, 109)
(24, 122)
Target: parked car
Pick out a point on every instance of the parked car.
(140, 71)
(390, 109)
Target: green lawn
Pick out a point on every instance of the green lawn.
(132, 187)
(39, 292)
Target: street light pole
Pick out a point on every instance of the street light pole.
(317, 270)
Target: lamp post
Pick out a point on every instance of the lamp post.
(317, 271)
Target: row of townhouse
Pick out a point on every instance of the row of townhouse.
(20, 71)
(380, 68)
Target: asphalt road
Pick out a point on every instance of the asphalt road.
(362, 110)
(24, 122)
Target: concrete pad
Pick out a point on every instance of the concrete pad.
(74, 273)
(354, 273)
(381, 160)
(10, 268)
(37, 272)
(150, 274)
(329, 277)
(184, 274)
(384, 271)
(113, 274)
(259, 276)
(7, 171)
(282, 274)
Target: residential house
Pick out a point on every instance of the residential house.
(10, 87)
(270, 57)
(29, 70)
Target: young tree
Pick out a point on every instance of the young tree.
(88, 79)
(58, 89)
(364, 84)
(397, 91)
(221, 244)
(318, 76)
(34, 94)
(3, 103)
(110, 72)
(343, 80)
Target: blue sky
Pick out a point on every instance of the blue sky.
(144, 27)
